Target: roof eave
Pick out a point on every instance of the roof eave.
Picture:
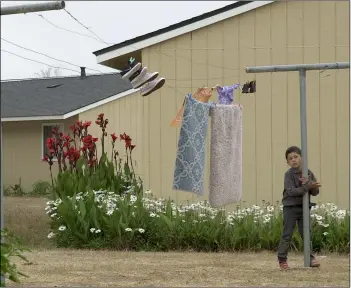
(106, 54)
(72, 113)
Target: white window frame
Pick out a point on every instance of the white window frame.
(62, 129)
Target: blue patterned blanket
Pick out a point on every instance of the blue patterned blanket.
(190, 161)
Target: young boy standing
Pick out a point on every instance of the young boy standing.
(295, 186)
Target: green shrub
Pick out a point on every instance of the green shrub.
(41, 188)
(11, 247)
(101, 219)
(15, 190)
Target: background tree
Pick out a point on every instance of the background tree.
(49, 72)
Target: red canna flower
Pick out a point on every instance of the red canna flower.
(114, 137)
(48, 159)
(54, 130)
(128, 142)
(92, 162)
(101, 116)
(87, 124)
(123, 136)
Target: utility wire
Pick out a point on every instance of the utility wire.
(67, 30)
(158, 51)
(100, 40)
(39, 61)
(47, 55)
(80, 23)
(109, 73)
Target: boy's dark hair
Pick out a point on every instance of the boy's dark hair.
(292, 149)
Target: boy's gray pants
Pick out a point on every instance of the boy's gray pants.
(292, 215)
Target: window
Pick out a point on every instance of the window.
(47, 133)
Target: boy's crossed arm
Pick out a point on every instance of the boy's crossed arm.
(312, 183)
(308, 185)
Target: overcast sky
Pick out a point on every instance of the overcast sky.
(112, 21)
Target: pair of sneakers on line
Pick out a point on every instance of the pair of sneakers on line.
(140, 77)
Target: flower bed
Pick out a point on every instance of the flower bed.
(99, 203)
(102, 219)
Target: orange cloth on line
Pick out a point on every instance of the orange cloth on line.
(202, 94)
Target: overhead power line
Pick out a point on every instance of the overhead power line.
(81, 24)
(67, 30)
(3, 50)
(56, 59)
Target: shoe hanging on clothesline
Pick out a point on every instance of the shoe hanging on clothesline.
(139, 77)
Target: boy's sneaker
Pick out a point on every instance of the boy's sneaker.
(283, 265)
(130, 64)
(314, 263)
(152, 86)
(143, 78)
(138, 77)
(128, 73)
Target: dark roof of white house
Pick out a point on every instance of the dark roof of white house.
(57, 96)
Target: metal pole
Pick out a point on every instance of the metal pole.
(306, 196)
(302, 68)
(30, 8)
(290, 68)
(9, 10)
(2, 193)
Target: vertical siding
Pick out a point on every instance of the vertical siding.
(168, 107)
(23, 152)
(247, 58)
(311, 39)
(279, 98)
(342, 97)
(285, 32)
(327, 101)
(280, 33)
(263, 106)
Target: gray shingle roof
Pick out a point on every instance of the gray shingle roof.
(31, 97)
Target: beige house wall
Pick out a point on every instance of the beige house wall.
(22, 144)
(289, 32)
(125, 115)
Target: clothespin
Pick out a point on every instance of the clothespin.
(215, 87)
(249, 87)
(245, 88)
(252, 86)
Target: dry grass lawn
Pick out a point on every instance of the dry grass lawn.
(72, 268)
(25, 216)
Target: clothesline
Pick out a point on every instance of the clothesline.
(225, 94)
(183, 93)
